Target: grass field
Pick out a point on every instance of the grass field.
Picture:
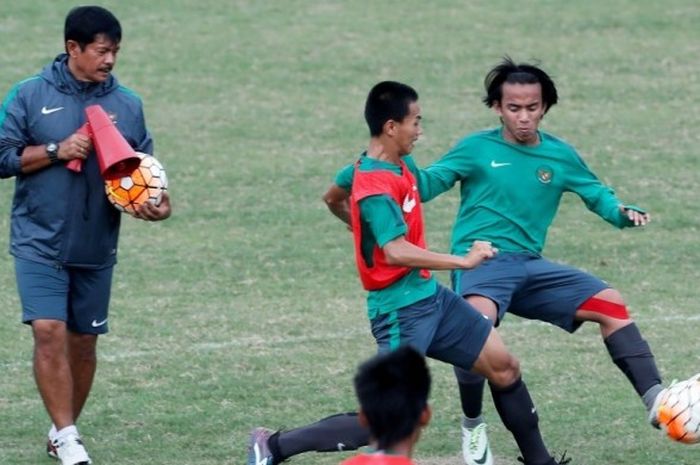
(244, 309)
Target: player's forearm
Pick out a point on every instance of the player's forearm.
(600, 199)
(403, 253)
(337, 200)
(608, 208)
(341, 211)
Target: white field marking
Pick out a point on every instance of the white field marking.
(204, 347)
(656, 319)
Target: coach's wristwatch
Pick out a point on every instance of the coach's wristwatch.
(52, 152)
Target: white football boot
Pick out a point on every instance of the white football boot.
(475, 445)
(70, 450)
(51, 449)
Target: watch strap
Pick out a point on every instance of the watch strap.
(52, 152)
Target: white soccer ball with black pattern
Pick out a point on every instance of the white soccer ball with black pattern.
(679, 411)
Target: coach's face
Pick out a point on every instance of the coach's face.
(94, 63)
(521, 110)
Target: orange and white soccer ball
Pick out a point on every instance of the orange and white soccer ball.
(146, 184)
(679, 411)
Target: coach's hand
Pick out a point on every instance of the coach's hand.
(149, 211)
(75, 146)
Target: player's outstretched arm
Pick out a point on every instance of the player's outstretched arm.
(337, 200)
(400, 252)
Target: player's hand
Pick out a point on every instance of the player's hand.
(149, 211)
(479, 251)
(636, 217)
(74, 146)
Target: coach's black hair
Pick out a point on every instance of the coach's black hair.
(520, 73)
(83, 23)
(388, 100)
(393, 391)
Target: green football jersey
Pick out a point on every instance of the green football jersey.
(510, 193)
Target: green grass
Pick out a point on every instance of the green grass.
(244, 308)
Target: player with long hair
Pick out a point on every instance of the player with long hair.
(406, 305)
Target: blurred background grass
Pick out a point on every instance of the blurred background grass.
(244, 308)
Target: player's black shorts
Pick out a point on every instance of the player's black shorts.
(444, 327)
(530, 286)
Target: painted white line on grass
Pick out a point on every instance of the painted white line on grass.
(204, 347)
(512, 323)
(657, 319)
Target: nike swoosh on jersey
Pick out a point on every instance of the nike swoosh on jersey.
(409, 204)
(97, 324)
(495, 164)
(48, 111)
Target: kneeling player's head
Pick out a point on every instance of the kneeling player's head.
(388, 100)
(393, 390)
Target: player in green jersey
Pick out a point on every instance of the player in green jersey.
(406, 305)
(511, 180)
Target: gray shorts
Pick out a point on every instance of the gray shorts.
(444, 327)
(531, 287)
(78, 296)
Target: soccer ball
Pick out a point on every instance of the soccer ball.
(146, 184)
(679, 411)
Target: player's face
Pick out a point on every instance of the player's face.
(95, 62)
(521, 110)
(409, 130)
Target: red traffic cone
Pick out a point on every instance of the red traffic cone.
(115, 156)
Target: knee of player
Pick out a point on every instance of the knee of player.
(506, 373)
(611, 295)
(605, 305)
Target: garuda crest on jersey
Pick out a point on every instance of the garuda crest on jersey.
(544, 174)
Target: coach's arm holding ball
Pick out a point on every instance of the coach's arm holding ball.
(149, 211)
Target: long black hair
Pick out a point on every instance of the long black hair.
(521, 73)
